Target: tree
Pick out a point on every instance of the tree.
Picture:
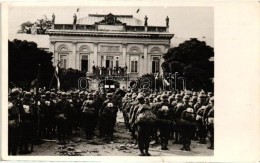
(24, 58)
(191, 59)
(69, 79)
(42, 26)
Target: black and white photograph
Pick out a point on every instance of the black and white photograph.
(110, 81)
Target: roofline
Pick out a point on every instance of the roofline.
(112, 33)
(103, 15)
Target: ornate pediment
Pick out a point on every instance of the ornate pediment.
(110, 19)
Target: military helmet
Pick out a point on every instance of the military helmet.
(140, 97)
(90, 95)
(48, 93)
(27, 95)
(178, 96)
(109, 95)
(164, 96)
(15, 92)
(64, 95)
(186, 98)
(189, 110)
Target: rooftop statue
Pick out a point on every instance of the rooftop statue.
(167, 21)
(74, 19)
(145, 20)
(53, 18)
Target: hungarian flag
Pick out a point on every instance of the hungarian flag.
(156, 77)
(166, 82)
(56, 73)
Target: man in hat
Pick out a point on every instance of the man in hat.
(14, 113)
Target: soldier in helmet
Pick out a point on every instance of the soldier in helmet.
(208, 117)
(49, 114)
(187, 127)
(163, 112)
(108, 114)
(130, 112)
(177, 101)
(89, 113)
(144, 119)
(14, 112)
(201, 128)
(61, 111)
(27, 118)
(179, 108)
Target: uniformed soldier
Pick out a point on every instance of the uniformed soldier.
(77, 109)
(61, 111)
(14, 110)
(27, 117)
(177, 101)
(208, 117)
(89, 112)
(179, 108)
(49, 107)
(163, 112)
(187, 127)
(144, 120)
(108, 114)
(130, 110)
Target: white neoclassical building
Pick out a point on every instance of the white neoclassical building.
(110, 41)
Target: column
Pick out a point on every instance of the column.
(96, 54)
(124, 54)
(145, 63)
(72, 57)
(77, 59)
(52, 49)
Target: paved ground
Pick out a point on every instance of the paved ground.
(120, 147)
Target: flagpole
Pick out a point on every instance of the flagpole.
(52, 79)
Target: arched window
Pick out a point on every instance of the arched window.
(155, 59)
(135, 49)
(156, 50)
(84, 51)
(63, 51)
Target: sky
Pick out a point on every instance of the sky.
(185, 22)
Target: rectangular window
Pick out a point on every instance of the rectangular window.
(117, 61)
(134, 63)
(155, 64)
(63, 61)
(84, 63)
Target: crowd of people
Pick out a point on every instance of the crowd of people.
(157, 117)
(115, 71)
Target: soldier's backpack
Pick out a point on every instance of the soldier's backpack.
(211, 117)
(189, 115)
(164, 110)
(200, 113)
(110, 108)
(146, 117)
(88, 107)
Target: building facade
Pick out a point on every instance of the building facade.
(109, 41)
